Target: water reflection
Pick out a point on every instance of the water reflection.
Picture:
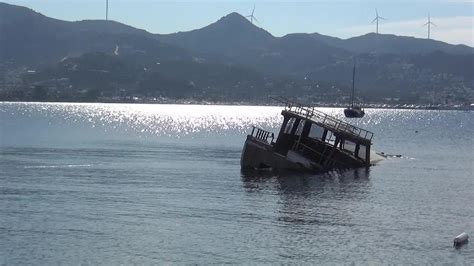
(303, 199)
(300, 182)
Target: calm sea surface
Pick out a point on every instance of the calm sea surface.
(147, 184)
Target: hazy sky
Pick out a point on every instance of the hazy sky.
(344, 19)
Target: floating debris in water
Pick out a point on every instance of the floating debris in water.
(385, 155)
(461, 239)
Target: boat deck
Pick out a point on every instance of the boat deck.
(324, 120)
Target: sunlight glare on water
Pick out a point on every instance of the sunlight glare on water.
(161, 119)
(154, 184)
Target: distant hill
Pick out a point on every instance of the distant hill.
(232, 36)
(234, 39)
(11, 14)
(31, 38)
(229, 58)
(392, 44)
(389, 74)
(95, 75)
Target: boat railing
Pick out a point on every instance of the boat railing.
(262, 135)
(320, 117)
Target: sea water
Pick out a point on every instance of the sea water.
(153, 184)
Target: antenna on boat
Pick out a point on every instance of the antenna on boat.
(429, 23)
(251, 16)
(106, 9)
(376, 19)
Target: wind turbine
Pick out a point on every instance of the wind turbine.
(251, 16)
(376, 19)
(106, 9)
(429, 23)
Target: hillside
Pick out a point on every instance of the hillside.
(98, 75)
(228, 59)
(231, 36)
(392, 44)
(31, 38)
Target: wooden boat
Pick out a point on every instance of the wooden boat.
(309, 140)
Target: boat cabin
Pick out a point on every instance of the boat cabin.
(310, 140)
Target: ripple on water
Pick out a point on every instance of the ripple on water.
(150, 184)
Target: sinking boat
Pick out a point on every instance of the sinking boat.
(309, 140)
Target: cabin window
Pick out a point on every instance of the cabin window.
(330, 138)
(349, 146)
(316, 132)
(289, 125)
(299, 130)
(362, 151)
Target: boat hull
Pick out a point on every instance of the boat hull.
(353, 113)
(258, 155)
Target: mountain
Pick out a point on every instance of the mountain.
(298, 54)
(13, 15)
(392, 44)
(234, 39)
(94, 75)
(390, 74)
(31, 38)
(229, 58)
(232, 36)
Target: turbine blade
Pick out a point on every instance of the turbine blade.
(256, 19)
(374, 20)
(382, 18)
(253, 10)
(433, 24)
(425, 24)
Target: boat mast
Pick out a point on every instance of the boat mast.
(353, 81)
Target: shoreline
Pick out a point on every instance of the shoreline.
(270, 103)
